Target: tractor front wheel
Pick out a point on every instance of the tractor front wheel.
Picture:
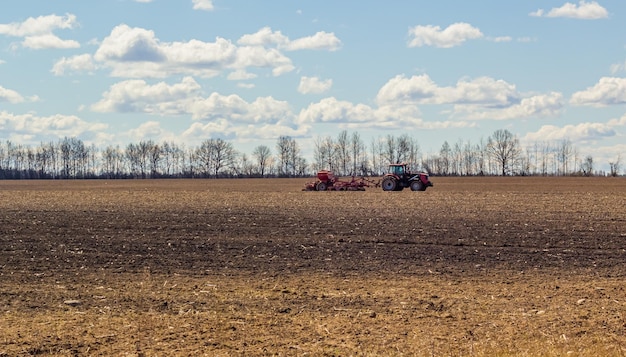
(389, 184)
(417, 186)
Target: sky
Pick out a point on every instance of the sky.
(249, 71)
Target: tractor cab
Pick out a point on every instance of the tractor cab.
(397, 169)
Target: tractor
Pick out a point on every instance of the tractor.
(399, 177)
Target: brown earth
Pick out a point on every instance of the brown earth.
(472, 266)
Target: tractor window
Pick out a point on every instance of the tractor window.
(397, 170)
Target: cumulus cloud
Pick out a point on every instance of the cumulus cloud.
(479, 98)
(266, 37)
(454, 35)
(423, 90)
(38, 33)
(9, 95)
(314, 85)
(138, 96)
(235, 109)
(55, 126)
(543, 105)
(148, 130)
(358, 116)
(320, 41)
(240, 75)
(584, 10)
(80, 63)
(618, 67)
(206, 5)
(576, 133)
(608, 91)
(133, 52)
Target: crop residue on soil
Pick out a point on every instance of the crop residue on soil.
(473, 266)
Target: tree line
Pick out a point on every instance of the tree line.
(346, 154)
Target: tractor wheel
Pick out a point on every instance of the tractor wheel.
(389, 184)
(321, 186)
(417, 185)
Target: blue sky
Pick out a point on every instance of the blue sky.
(121, 71)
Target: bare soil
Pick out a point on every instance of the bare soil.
(472, 266)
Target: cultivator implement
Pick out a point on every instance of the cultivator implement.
(327, 181)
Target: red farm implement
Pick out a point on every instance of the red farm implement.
(327, 181)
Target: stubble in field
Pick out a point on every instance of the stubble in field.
(473, 266)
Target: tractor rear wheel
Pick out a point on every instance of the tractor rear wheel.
(321, 186)
(417, 186)
(389, 184)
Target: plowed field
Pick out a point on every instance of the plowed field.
(472, 266)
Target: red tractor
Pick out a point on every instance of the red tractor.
(400, 177)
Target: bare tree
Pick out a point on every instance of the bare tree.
(587, 166)
(343, 152)
(615, 166)
(325, 153)
(445, 153)
(288, 156)
(359, 155)
(263, 155)
(391, 150)
(503, 146)
(564, 153)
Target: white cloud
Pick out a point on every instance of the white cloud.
(479, 98)
(544, 105)
(618, 122)
(236, 110)
(206, 5)
(222, 128)
(80, 63)
(260, 57)
(240, 75)
(11, 96)
(454, 35)
(595, 139)
(314, 85)
(245, 85)
(423, 90)
(138, 96)
(185, 98)
(360, 116)
(501, 39)
(150, 130)
(618, 67)
(126, 44)
(48, 41)
(38, 32)
(266, 37)
(320, 41)
(575, 133)
(136, 52)
(608, 91)
(55, 126)
(584, 10)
